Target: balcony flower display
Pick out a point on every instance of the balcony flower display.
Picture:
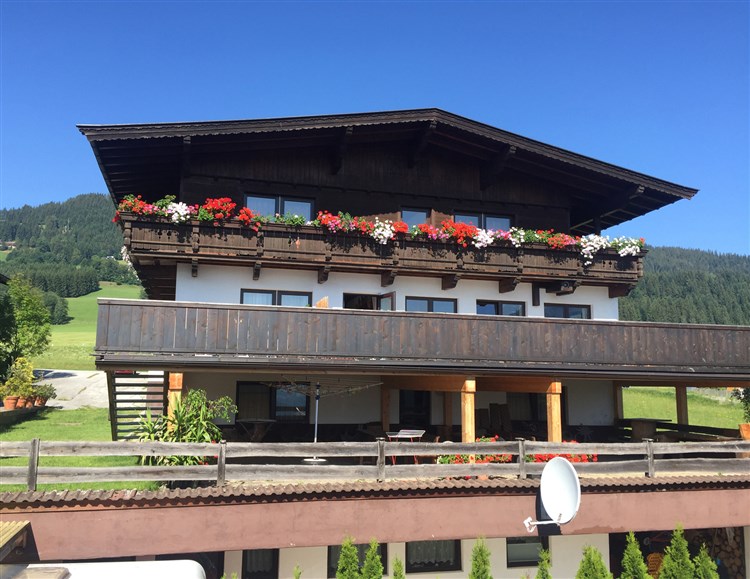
(220, 210)
(568, 456)
(478, 458)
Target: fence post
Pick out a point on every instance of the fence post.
(650, 455)
(33, 465)
(381, 459)
(521, 458)
(221, 463)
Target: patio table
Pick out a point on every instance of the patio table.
(405, 436)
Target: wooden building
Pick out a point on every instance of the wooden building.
(515, 337)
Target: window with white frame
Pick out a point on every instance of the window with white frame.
(270, 205)
(433, 556)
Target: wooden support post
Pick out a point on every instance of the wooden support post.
(33, 470)
(554, 418)
(175, 391)
(468, 431)
(682, 404)
(617, 395)
(385, 408)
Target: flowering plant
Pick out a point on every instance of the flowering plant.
(465, 235)
(216, 210)
(570, 457)
(479, 458)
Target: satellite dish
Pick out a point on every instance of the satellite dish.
(560, 492)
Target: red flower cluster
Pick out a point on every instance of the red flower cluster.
(479, 458)
(561, 240)
(362, 225)
(216, 210)
(400, 227)
(461, 232)
(136, 204)
(570, 457)
(249, 218)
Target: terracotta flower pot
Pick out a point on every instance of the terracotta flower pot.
(39, 401)
(9, 402)
(29, 403)
(21, 402)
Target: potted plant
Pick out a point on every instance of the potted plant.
(10, 399)
(42, 393)
(20, 381)
(743, 395)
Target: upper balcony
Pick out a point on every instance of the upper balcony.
(155, 241)
(166, 334)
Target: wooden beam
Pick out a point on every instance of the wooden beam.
(337, 160)
(468, 390)
(449, 281)
(526, 384)
(620, 290)
(421, 144)
(387, 277)
(682, 404)
(491, 171)
(425, 383)
(554, 414)
(175, 391)
(507, 284)
(385, 408)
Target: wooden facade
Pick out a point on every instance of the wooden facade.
(185, 335)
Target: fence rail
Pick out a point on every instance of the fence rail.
(365, 460)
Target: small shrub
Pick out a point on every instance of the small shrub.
(592, 565)
(398, 569)
(373, 567)
(480, 560)
(676, 563)
(543, 570)
(297, 572)
(633, 565)
(705, 568)
(348, 565)
(20, 379)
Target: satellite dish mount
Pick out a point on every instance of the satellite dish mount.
(560, 491)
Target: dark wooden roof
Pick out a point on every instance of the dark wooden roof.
(148, 158)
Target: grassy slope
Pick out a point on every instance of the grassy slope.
(81, 424)
(73, 343)
(642, 402)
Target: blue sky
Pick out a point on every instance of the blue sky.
(657, 87)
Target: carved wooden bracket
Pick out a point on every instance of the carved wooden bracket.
(507, 284)
(387, 277)
(450, 280)
(194, 267)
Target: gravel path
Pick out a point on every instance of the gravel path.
(77, 388)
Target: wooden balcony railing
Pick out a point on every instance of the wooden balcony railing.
(271, 461)
(278, 245)
(155, 333)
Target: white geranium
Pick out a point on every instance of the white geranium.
(483, 238)
(627, 246)
(591, 244)
(517, 236)
(383, 231)
(179, 212)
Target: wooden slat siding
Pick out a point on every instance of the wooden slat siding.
(408, 338)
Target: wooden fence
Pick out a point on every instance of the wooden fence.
(379, 460)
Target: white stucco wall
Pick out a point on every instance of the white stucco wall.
(590, 402)
(222, 284)
(565, 553)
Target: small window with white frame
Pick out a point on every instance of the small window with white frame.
(500, 308)
(276, 298)
(270, 205)
(524, 551)
(570, 311)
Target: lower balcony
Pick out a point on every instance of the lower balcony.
(165, 334)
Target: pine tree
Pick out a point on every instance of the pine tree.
(398, 569)
(592, 565)
(348, 566)
(676, 563)
(543, 571)
(480, 560)
(633, 565)
(373, 567)
(705, 568)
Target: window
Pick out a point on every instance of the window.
(567, 311)
(276, 298)
(433, 556)
(260, 564)
(382, 302)
(335, 550)
(524, 551)
(484, 220)
(256, 401)
(492, 308)
(270, 205)
(437, 305)
(414, 217)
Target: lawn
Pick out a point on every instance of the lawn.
(703, 410)
(81, 424)
(73, 343)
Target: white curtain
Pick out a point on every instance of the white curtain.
(431, 553)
